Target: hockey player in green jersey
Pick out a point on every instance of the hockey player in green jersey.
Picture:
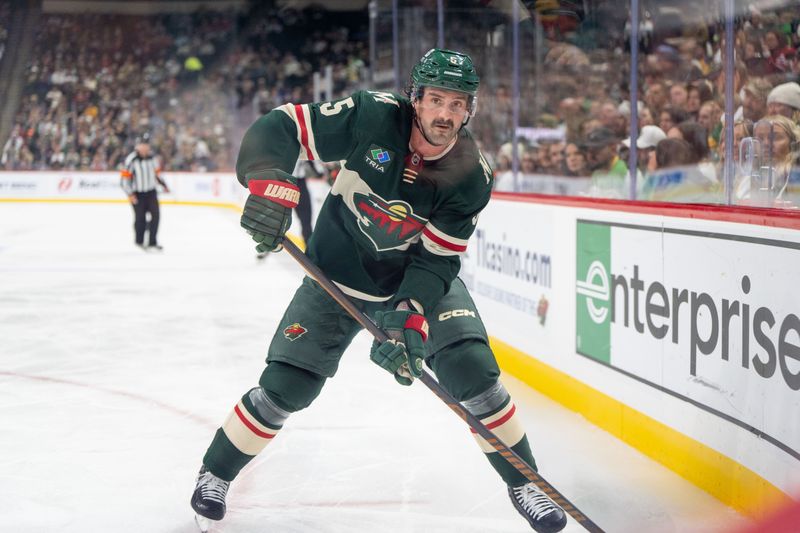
(390, 233)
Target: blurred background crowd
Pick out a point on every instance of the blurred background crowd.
(554, 114)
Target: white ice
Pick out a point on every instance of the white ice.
(117, 365)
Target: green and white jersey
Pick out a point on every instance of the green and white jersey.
(394, 223)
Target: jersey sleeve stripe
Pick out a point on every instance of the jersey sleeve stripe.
(290, 110)
(308, 141)
(440, 243)
(302, 132)
(301, 116)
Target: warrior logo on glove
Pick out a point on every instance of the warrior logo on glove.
(280, 192)
(267, 212)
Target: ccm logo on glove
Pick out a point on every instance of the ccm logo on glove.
(281, 192)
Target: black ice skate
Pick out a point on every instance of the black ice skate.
(540, 511)
(208, 499)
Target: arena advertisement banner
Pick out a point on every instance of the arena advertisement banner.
(185, 187)
(20, 184)
(509, 266)
(706, 317)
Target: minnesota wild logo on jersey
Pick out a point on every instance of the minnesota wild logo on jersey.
(389, 225)
(294, 331)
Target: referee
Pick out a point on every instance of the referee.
(140, 175)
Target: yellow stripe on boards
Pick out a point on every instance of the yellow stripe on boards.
(730, 482)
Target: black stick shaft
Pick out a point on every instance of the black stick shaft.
(508, 454)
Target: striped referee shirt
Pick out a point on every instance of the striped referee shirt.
(140, 174)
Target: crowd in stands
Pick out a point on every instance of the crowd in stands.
(5, 16)
(280, 53)
(196, 81)
(583, 127)
(98, 81)
(192, 81)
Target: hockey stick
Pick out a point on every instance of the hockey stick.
(508, 454)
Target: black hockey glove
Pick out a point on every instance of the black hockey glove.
(404, 353)
(268, 210)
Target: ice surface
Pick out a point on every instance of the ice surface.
(116, 367)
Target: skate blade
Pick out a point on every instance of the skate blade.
(202, 522)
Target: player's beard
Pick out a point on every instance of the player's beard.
(436, 135)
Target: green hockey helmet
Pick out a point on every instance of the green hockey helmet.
(445, 69)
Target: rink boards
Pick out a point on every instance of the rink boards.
(674, 328)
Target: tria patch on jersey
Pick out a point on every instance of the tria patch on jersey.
(389, 225)
(378, 158)
(294, 331)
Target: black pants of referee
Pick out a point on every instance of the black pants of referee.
(146, 202)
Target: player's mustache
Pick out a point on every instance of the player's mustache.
(447, 123)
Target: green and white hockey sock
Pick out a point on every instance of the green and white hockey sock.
(252, 424)
(497, 411)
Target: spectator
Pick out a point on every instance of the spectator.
(699, 93)
(556, 158)
(679, 96)
(646, 117)
(709, 117)
(781, 55)
(694, 134)
(697, 137)
(611, 117)
(670, 63)
(649, 137)
(571, 114)
(742, 128)
(609, 172)
(670, 117)
(778, 138)
(785, 100)
(588, 126)
(754, 103)
(528, 162)
(673, 153)
(656, 97)
(575, 161)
